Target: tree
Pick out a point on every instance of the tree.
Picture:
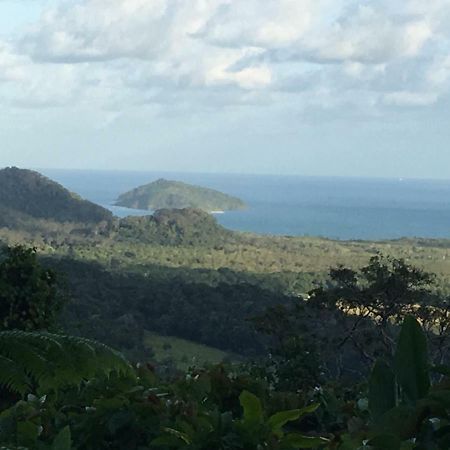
(30, 297)
(294, 359)
(375, 300)
(353, 319)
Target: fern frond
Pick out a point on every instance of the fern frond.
(16, 350)
(50, 361)
(12, 377)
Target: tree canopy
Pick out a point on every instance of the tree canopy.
(30, 296)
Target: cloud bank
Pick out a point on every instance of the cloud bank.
(196, 55)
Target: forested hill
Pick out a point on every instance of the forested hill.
(174, 194)
(28, 194)
(175, 227)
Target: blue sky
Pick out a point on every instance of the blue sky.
(313, 87)
(16, 13)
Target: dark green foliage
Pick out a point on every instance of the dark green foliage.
(295, 359)
(254, 425)
(382, 390)
(78, 407)
(208, 409)
(31, 194)
(408, 416)
(117, 307)
(62, 440)
(30, 297)
(411, 361)
(162, 194)
(126, 411)
(404, 411)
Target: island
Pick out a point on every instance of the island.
(167, 194)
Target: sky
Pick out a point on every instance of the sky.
(309, 87)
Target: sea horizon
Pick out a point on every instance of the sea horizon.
(246, 174)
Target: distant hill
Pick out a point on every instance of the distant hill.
(27, 195)
(175, 227)
(166, 194)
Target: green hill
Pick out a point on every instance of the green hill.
(162, 194)
(175, 227)
(26, 195)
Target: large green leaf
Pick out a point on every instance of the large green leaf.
(299, 441)
(252, 407)
(63, 440)
(168, 441)
(440, 397)
(399, 421)
(411, 361)
(385, 442)
(382, 390)
(178, 434)
(27, 433)
(280, 419)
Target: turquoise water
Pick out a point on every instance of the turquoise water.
(341, 208)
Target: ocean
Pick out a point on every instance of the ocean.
(337, 208)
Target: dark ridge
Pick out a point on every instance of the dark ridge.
(28, 193)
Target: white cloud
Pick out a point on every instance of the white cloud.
(407, 98)
(98, 30)
(118, 54)
(11, 65)
(438, 73)
(261, 23)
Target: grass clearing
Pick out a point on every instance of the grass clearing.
(184, 353)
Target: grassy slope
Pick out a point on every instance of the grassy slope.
(184, 353)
